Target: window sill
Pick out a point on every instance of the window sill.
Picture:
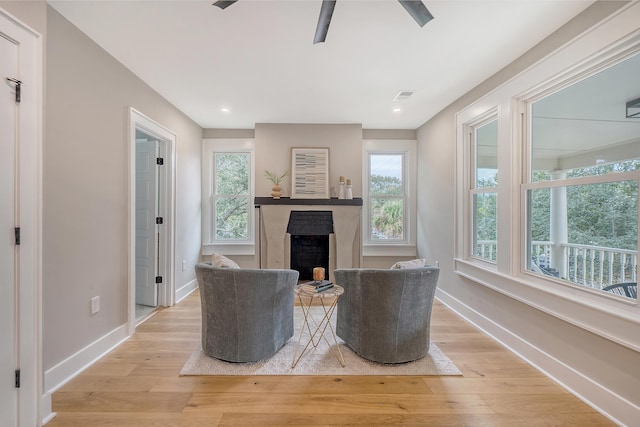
(608, 316)
(229, 248)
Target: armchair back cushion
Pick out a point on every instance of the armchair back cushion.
(247, 314)
(384, 315)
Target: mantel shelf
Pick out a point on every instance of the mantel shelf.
(259, 201)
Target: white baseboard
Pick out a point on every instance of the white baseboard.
(185, 290)
(45, 409)
(607, 402)
(66, 370)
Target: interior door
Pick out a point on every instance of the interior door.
(147, 233)
(8, 249)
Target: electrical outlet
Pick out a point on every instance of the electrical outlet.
(95, 305)
(184, 265)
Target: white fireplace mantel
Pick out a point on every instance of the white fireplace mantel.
(344, 244)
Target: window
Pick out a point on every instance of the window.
(386, 197)
(582, 186)
(228, 171)
(389, 197)
(484, 195)
(231, 196)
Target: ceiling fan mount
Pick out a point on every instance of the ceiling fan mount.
(415, 8)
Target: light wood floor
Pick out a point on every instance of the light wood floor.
(138, 385)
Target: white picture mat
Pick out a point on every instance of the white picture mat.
(310, 173)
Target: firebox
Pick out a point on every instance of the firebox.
(309, 232)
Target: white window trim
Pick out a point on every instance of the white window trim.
(209, 148)
(470, 162)
(614, 318)
(394, 248)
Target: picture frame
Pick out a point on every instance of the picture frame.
(310, 173)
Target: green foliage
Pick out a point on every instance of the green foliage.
(603, 214)
(387, 216)
(232, 216)
(231, 200)
(275, 178)
(232, 174)
(385, 186)
(486, 213)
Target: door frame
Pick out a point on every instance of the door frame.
(166, 290)
(33, 404)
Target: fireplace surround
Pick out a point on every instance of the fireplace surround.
(275, 237)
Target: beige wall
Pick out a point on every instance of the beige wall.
(273, 152)
(32, 13)
(88, 95)
(591, 355)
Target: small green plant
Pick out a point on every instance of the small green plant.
(274, 178)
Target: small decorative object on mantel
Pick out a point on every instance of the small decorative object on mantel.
(341, 188)
(276, 190)
(349, 191)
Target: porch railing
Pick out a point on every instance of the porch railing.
(597, 266)
(593, 266)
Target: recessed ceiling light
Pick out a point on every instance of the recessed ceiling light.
(224, 109)
(396, 110)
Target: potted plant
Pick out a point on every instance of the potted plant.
(276, 179)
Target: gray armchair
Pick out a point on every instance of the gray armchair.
(247, 314)
(384, 315)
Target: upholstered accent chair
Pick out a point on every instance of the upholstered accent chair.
(247, 314)
(384, 315)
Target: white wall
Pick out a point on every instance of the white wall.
(594, 367)
(88, 94)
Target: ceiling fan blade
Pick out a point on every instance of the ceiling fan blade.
(223, 4)
(417, 10)
(324, 20)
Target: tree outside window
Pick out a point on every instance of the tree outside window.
(386, 197)
(231, 196)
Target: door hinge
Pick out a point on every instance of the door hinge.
(159, 161)
(158, 279)
(17, 378)
(18, 84)
(159, 220)
(17, 235)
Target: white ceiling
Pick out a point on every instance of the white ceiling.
(257, 58)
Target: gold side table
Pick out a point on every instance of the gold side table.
(317, 328)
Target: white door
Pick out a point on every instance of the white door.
(147, 231)
(8, 250)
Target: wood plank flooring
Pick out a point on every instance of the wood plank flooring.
(138, 385)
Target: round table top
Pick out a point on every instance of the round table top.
(308, 290)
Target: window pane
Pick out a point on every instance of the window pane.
(386, 174)
(232, 173)
(484, 225)
(387, 218)
(583, 129)
(232, 217)
(585, 234)
(486, 150)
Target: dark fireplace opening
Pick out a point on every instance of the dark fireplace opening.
(309, 232)
(308, 252)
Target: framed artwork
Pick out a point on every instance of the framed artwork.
(310, 173)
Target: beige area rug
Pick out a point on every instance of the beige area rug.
(319, 360)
